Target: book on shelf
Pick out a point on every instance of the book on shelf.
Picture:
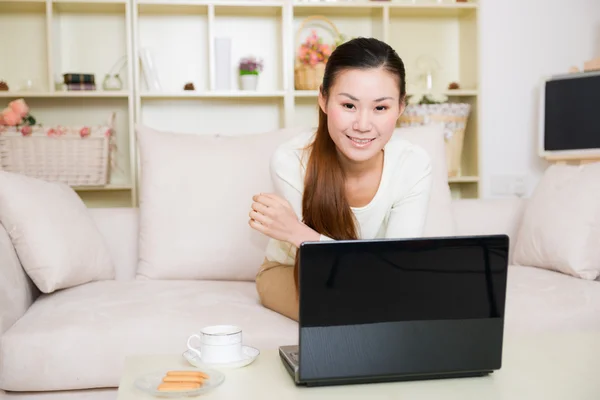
(75, 78)
(80, 86)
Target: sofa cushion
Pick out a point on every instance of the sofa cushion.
(440, 220)
(17, 291)
(561, 224)
(195, 196)
(79, 337)
(57, 242)
(540, 300)
(489, 217)
(119, 227)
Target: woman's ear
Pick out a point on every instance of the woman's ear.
(402, 107)
(322, 100)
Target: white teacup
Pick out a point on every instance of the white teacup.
(219, 344)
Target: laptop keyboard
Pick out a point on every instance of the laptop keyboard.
(294, 356)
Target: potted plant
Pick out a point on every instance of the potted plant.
(250, 68)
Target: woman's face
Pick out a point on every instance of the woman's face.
(362, 110)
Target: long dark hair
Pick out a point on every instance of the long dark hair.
(325, 207)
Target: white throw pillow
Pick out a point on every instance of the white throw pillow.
(195, 197)
(196, 192)
(55, 238)
(561, 224)
(440, 219)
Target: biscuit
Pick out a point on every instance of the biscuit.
(178, 386)
(192, 373)
(183, 378)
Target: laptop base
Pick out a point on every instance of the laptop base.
(399, 378)
(288, 355)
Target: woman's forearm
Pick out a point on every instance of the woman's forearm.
(304, 233)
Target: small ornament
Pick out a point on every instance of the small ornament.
(453, 86)
(3, 86)
(112, 82)
(189, 86)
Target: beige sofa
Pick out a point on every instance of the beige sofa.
(70, 344)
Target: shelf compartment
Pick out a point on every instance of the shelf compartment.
(22, 6)
(338, 8)
(249, 9)
(449, 93)
(306, 112)
(354, 21)
(206, 116)
(463, 179)
(433, 10)
(25, 24)
(66, 94)
(161, 30)
(214, 94)
(89, 38)
(175, 7)
(106, 198)
(306, 93)
(90, 2)
(90, 6)
(470, 154)
(438, 39)
(464, 190)
(265, 23)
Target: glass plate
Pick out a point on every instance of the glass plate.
(148, 383)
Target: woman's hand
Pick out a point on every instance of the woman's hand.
(275, 217)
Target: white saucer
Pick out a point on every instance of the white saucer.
(249, 354)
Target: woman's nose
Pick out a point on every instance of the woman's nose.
(362, 122)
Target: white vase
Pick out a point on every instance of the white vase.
(249, 82)
(223, 67)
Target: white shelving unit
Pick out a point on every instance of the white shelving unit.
(48, 38)
(91, 35)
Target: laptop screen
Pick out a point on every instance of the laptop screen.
(359, 282)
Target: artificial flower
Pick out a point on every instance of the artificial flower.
(19, 107)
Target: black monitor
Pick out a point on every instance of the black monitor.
(570, 114)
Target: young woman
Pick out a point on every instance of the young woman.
(351, 179)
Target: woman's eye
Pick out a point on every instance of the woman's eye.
(348, 105)
(381, 108)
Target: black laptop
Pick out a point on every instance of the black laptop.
(390, 310)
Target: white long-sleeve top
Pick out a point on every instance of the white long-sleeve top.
(398, 209)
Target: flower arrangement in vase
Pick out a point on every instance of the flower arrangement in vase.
(17, 115)
(313, 51)
(250, 68)
(311, 58)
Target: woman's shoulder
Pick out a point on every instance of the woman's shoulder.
(291, 154)
(409, 167)
(402, 151)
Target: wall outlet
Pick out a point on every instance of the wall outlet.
(509, 185)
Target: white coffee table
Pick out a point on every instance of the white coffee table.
(544, 367)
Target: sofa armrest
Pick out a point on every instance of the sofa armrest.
(17, 291)
(489, 216)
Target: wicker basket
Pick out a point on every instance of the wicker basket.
(454, 116)
(308, 77)
(76, 155)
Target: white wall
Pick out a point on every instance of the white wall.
(521, 41)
